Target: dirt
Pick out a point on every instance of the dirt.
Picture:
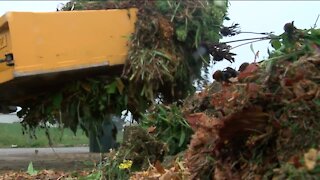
(66, 159)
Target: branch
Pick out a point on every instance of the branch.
(315, 23)
(249, 39)
(248, 32)
(248, 43)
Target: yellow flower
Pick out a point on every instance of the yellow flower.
(126, 164)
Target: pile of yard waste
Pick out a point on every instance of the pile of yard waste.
(263, 124)
(258, 122)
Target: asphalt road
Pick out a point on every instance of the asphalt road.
(7, 152)
(67, 159)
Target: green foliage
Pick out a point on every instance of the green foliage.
(168, 125)
(317, 101)
(31, 171)
(291, 45)
(86, 103)
(160, 58)
(291, 172)
(111, 168)
(294, 43)
(93, 176)
(159, 65)
(192, 23)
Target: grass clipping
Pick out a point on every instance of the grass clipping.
(159, 64)
(166, 33)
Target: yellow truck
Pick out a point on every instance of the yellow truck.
(38, 51)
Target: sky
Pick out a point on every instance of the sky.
(256, 16)
(267, 16)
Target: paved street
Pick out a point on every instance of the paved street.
(16, 152)
(71, 158)
(62, 158)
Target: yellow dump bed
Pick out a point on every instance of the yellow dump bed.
(41, 46)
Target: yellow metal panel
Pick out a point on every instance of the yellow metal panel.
(6, 72)
(6, 75)
(61, 41)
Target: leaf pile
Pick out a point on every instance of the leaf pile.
(44, 174)
(177, 172)
(265, 119)
(159, 64)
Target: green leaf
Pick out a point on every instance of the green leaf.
(112, 88)
(181, 34)
(120, 85)
(182, 138)
(317, 102)
(159, 53)
(252, 50)
(31, 171)
(94, 176)
(316, 170)
(57, 99)
(275, 43)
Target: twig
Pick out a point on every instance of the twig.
(256, 56)
(248, 39)
(315, 23)
(61, 125)
(175, 12)
(61, 177)
(248, 32)
(73, 4)
(50, 141)
(248, 43)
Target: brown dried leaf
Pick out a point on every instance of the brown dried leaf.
(168, 176)
(248, 71)
(305, 87)
(248, 120)
(120, 85)
(220, 99)
(151, 129)
(159, 167)
(295, 160)
(253, 90)
(197, 120)
(86, 86)
(310, 159)
(223, 171)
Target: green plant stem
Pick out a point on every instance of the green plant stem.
(248, 32)
(249, 39)
(248, 43)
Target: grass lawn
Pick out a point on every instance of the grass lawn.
(11, 134)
